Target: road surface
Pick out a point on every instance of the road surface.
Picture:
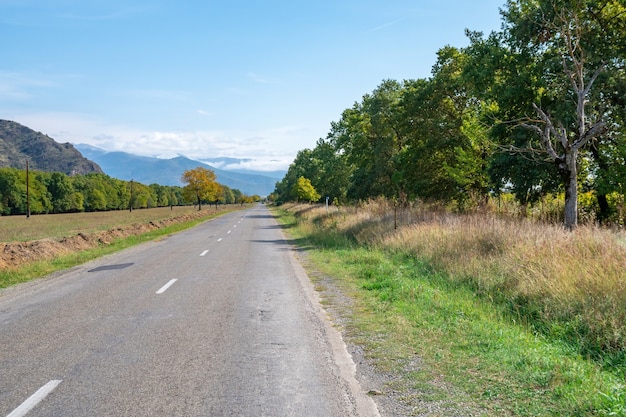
(219, 320)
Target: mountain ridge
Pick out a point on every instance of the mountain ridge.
(19, 144)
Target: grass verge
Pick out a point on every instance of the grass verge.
(451, 351)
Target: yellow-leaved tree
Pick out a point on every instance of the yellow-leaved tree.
(304, 190)
(201, 185)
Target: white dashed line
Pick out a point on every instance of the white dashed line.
(228, 232)
(204, 253)
(219, 240)
(166, 286)
(35, 399)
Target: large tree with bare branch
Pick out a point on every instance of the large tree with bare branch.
(553, 68)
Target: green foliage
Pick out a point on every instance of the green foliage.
(537, 108)
(13, 191)
(61, 190)
(556, 72)
(324, 166)
(58, 193)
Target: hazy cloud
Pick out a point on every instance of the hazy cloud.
(197, 145)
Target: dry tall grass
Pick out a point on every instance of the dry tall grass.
(568, 285)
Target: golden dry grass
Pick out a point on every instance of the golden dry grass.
(570, 285)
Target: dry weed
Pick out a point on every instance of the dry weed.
(571, 283)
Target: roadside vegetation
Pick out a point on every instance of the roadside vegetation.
(490, 315)
(476, 218)
(37, 192)
(534, 111)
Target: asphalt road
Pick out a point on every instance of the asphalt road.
(219, 320)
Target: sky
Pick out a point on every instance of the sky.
(250, 79)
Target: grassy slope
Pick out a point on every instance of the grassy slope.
(473, 353)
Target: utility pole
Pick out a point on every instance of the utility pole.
(130, 202)
(27, 193)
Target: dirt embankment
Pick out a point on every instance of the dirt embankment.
(16, 254)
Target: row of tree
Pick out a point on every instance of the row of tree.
(536, 108)
(38, 192)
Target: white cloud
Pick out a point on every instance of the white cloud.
(268, 150)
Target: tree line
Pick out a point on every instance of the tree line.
(55, 192)
(536, 109)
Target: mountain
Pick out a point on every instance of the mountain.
(149, 170)
(19, 143)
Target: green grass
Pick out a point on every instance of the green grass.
(472, 354)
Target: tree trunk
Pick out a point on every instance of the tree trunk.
(571, 190)
(604, 210)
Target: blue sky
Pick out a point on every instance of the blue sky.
(237, 78)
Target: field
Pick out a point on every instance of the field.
(511, 316)
(36, 246)
(56, 226)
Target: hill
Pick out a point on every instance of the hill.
(148, 170)
(18, 143)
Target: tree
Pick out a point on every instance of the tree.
(61, 190)
(447, 149)
(12, 191)
(563, 49)
(331, 170)
(370, 136)
(302, 166)
(201, 185)
(304, 190)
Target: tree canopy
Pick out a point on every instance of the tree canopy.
(201, 185)
(304, 190)
(56, 192)
(534, 109)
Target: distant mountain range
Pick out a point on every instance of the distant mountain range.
(149, 170)
(19, 143)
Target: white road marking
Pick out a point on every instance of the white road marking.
(219, 240)
(228, 232)
(204, 253)
(35, 399)
(166, 286)
(234, 226)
